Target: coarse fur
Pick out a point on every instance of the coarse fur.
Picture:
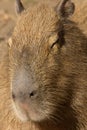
(48, 54)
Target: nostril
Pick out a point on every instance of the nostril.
(33, 94)
(13, 96)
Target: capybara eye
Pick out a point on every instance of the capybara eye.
(56, 42)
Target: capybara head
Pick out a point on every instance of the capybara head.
(40, 89)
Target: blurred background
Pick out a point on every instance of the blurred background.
(8, 16)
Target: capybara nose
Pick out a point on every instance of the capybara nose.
(22, 96)
(33, 94)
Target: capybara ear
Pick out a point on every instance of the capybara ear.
(65, 8)
(19, 6)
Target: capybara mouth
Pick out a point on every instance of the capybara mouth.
(26, 113)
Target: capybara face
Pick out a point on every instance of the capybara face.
(36, 61)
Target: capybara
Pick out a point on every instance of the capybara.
(43, 70)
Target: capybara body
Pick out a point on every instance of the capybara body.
(43, 72)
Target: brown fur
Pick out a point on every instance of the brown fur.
(63, 66)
